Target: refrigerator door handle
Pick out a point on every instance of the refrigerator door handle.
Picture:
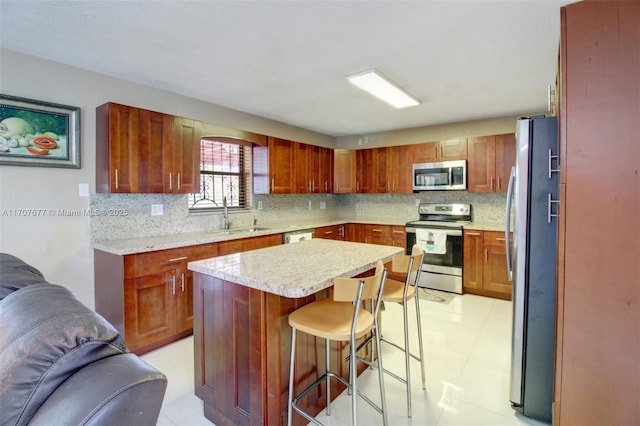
(507, 229)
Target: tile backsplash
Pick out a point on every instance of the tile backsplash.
(129, 215)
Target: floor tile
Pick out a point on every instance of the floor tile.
(467, 357)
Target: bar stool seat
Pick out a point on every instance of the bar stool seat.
(341, 318)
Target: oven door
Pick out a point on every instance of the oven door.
(447, 263)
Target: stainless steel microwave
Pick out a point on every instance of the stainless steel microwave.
(445, 175)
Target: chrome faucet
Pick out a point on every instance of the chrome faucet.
(227, 222)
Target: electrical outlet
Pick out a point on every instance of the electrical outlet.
(260, 205)
(417, 202)
(157, 210)
(323, 205)
(310, 206)
(83, 189)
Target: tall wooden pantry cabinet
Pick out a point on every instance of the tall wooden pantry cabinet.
(597, 377)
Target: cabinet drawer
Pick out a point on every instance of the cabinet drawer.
(494, 238)
(166, 260)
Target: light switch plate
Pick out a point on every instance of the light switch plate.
(417, 202)
(323, 205)
(157, 210)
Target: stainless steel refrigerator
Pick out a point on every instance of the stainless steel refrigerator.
(531, 260)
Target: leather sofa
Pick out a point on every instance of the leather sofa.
(62, 363)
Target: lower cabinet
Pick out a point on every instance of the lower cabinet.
(148, 296)
(485, 265)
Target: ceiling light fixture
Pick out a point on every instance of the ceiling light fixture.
(382, 88)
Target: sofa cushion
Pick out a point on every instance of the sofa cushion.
(15, 274)
(47, 335)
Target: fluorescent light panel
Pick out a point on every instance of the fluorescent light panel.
(382, 88)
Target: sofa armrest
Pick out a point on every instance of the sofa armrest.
(118, 390)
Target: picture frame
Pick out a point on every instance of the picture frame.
(38, 133)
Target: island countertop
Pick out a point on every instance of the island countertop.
(296, 270)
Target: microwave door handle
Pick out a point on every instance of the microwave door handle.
(507, 229)
(450, 176)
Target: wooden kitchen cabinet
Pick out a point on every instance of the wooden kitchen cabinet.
(313, 168)
(490, 161)
(399, 236)
(142, 151)
(148, 296)
(399, 172)
(117, 149)
(449, 150)
(344, 171)
(333, 232)
(485, 265)
(364, 165)
(273, 171)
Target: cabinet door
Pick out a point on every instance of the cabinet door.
(185, 175)
(453, 149)
(281, 166)
(472, 275)
(505, 159)
(301, 155)
(426, 152)
(155, 150)
(399, 236)
(481, 170)
(326, 170)
(364, 166)
(400, 161)
(379, 173)
(149, 309)
(117, 149)
(495, 277)
(184, 300)
(334, 232)
(344, 171)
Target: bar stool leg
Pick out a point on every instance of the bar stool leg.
(407, 356)
(327, 363)
(383, 399)
(424, 386)
(352, 378)
(291, 374)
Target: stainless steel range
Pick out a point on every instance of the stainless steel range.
(439, 233)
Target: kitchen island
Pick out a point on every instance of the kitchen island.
(241, 335)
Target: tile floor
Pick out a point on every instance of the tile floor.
(467, 350)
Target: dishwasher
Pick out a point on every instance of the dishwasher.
(297, 236)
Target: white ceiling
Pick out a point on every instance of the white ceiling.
(287, 60)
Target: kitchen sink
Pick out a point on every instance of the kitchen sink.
(245, 230)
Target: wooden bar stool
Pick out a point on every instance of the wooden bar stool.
(402, 292)
(342, 318)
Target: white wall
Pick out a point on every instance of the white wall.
(60, 246)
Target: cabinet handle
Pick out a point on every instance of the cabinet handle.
(179, 182)
(178, 259)
(492, 184)
(116, 178)
(376, 230)
(549, 203)
(272, 185)
(182, 282)
(551, 169)
(472, 233)
(341, 231)
(486, 255)
(173, 284)
(170, 181)
(326, 186)
(500, 239)
(398, 232)
(328, 232)
(441, 152)
(499, 183)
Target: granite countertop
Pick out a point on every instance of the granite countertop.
(296, 270)
(162, 242)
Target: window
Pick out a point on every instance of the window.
(225, 172)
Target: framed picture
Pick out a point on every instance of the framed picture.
(36, 133)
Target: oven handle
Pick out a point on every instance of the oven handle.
(452, 232)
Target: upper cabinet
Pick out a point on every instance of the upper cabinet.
(490, 161)
(313, 168)
(344, 171)
(287, 167)
(449, 150)
(141, 151)
(273, 167)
